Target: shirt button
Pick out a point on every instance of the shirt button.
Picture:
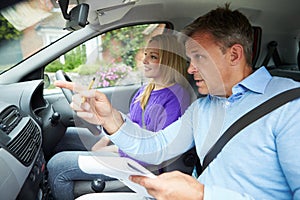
(226, 104)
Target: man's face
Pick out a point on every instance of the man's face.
(207, 64)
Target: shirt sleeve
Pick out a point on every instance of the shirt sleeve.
(218, 193)
(155, 147)
(288, 148)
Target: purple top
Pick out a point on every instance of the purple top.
(164, 107)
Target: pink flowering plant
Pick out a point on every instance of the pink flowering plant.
(109, 76)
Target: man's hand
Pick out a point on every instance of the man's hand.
(96, 109)
(172, 186)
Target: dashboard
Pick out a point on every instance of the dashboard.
(25, 118)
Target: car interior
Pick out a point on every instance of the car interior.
(34, 115)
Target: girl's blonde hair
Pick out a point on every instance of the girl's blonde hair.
(173, 64)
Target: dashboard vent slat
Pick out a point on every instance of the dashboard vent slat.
(26, 144)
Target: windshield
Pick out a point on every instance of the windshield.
(27, 27)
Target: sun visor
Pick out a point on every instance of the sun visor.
(114, 10)
(26, 14)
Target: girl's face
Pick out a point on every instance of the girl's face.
(151, 61)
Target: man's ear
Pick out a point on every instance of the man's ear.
(236, 54)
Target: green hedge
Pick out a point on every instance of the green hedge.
(73, 59)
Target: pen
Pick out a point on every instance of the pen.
(83, 99)
(134, 168)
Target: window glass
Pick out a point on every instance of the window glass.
(113, 58)
(27, 27)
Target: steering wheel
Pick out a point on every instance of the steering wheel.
(61, 75)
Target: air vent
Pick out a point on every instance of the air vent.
(26, 144)
(9, 119)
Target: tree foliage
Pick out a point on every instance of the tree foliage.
(73, 59)
(7, 30)
(130, 38)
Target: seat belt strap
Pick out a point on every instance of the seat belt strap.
(254, 114)
(272, 53)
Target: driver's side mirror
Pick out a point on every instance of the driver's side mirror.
(46, 81)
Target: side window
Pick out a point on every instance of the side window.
(113, 58)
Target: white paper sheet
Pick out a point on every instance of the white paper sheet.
(117, 167)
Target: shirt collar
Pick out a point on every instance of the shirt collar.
(256, 82)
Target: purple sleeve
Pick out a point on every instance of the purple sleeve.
(135, 115)
(168, 109)
(163, 108)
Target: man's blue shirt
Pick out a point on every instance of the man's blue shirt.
(260, 162)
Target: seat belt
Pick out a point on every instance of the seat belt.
(272, 53)
(254, 114)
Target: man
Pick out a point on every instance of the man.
(260, 162)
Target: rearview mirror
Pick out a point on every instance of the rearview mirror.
(77, 17)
